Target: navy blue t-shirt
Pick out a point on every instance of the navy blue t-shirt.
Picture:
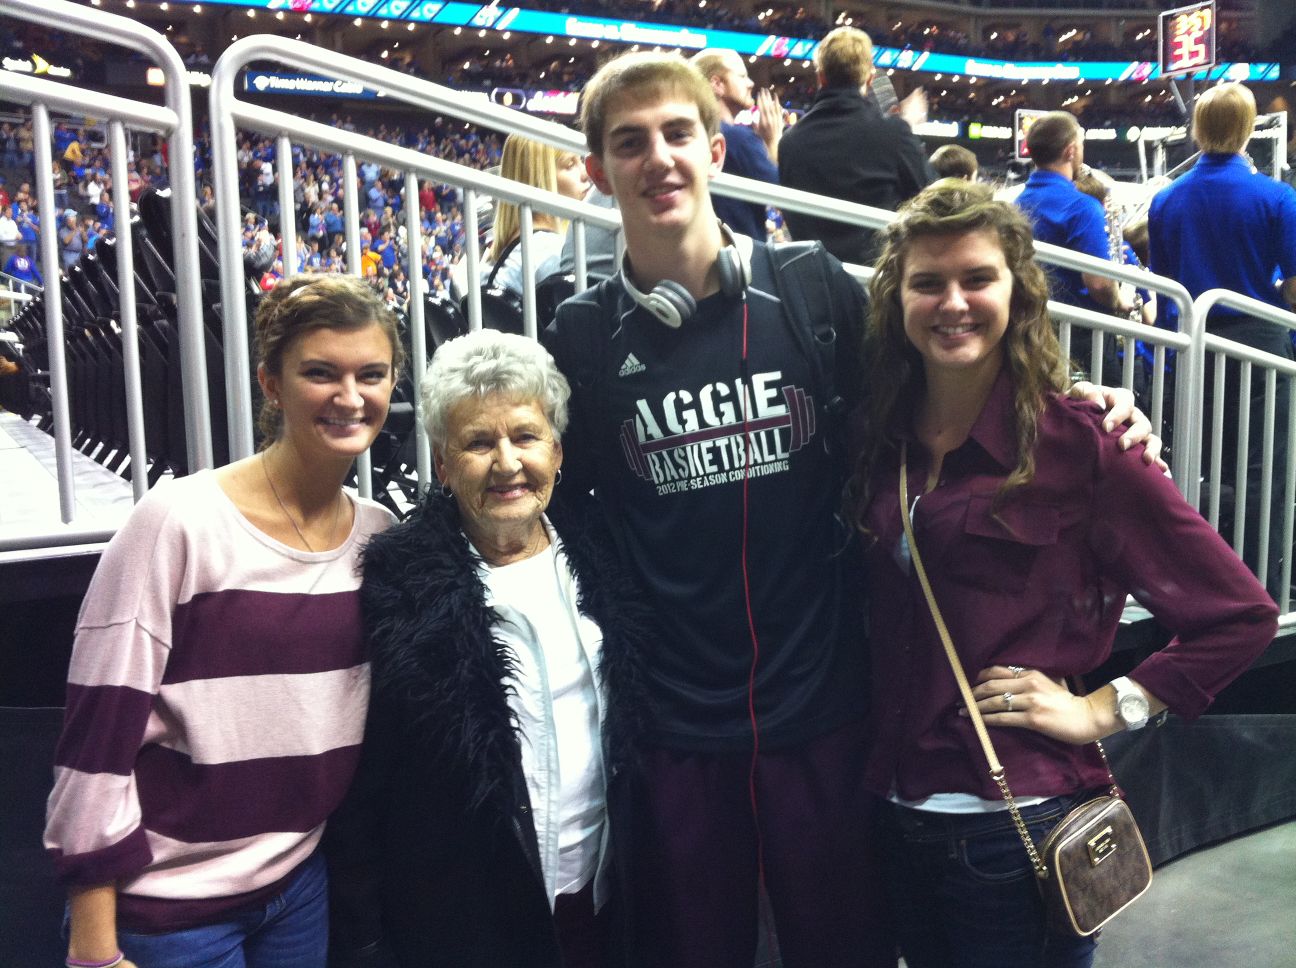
(745, 155)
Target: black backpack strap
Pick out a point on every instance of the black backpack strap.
(581, 338)
(499, 263)
(805, 287)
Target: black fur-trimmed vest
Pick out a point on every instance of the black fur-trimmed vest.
(434, 852)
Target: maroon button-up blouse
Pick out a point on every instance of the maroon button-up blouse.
(1041, 583)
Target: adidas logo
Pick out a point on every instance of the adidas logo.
(631, 366)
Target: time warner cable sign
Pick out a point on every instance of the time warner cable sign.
(265, 82)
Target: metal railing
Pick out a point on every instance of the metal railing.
(1186, 400)
(1271, 369)
(229, 114)
(175, 121)
(13, 284)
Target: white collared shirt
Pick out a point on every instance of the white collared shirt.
(557, 698)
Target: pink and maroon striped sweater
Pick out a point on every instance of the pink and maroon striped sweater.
(215, 707)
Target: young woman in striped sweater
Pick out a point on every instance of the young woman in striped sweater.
(218, 689)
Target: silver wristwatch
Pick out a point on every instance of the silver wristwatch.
(1131, 705)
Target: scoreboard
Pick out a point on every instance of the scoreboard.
(1187, 41)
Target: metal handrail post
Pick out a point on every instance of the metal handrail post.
(1186, 462)
(51, 264)
(129, 314)
(351, 224)
(238, 389)
(472, 257)
(580, 256)
(287, 207)
(112, 28)
(418, 330)
(526, 226)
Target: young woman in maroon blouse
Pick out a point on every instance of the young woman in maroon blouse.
(1034, 524)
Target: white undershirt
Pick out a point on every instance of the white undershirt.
(558, 705)
(961, 803)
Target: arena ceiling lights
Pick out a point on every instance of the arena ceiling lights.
(495, 17)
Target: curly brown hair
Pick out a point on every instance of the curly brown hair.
(894, 369)
(307, 302)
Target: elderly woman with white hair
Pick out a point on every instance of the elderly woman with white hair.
(505, 647)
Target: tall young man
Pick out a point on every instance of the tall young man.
(701, 423)
(705, 419)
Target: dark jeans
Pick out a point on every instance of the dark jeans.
(1274, 339)
(694, 865)
(288, 931)
(963, 893)
(582, 933)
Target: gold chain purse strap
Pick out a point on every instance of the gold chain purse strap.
(996, 768)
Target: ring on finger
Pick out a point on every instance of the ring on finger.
(1016, 671)
(1008, 701)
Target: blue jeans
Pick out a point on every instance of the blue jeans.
(963, 893)
(290, 930)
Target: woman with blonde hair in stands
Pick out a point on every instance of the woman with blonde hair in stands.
(218, 686)
(541, 166)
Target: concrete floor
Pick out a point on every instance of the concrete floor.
(1232, 905)
(1227, 906)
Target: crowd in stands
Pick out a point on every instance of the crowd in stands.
(82, 197)
(83, 183)
(84, 207)
(318, 199)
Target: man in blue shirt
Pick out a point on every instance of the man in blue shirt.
(1063, 215)
(333, 223)
(749, 152)
(28, 225)
(1224, 226)
(23, 268)
(385, 246)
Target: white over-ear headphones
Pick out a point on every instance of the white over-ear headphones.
(671, 303)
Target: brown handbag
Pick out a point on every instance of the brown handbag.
(1093, 864)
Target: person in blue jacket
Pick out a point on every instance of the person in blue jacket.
(21, 267)
(1225, 226)
(751, 152)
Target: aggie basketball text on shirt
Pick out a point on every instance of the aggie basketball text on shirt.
(657, 431)
(688, 440)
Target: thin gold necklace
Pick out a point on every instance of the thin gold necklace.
(337, 507)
